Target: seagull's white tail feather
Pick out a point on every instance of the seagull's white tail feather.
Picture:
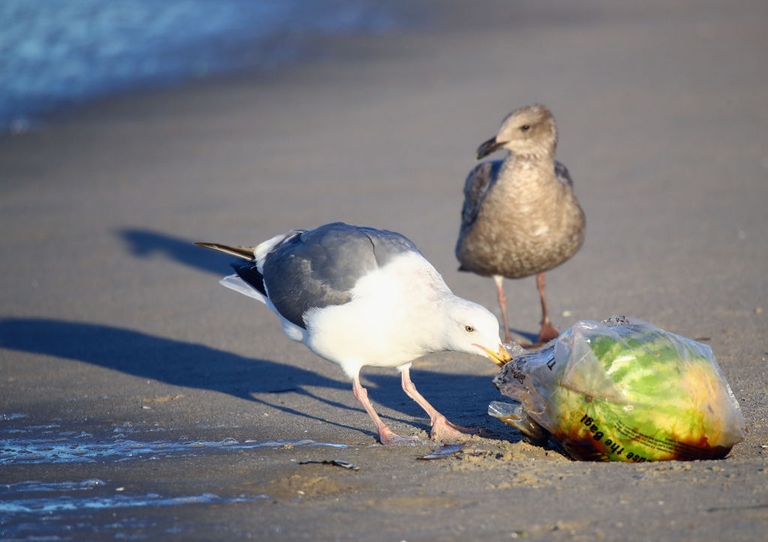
(233, 282)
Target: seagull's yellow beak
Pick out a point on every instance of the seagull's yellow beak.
(500, 358)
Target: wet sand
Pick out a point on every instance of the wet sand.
(148, 402)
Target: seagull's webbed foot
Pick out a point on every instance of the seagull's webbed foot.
(547, 333)
(389, 438)
(445, 431)
(442, 429)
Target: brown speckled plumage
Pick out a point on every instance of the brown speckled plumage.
(520, 215)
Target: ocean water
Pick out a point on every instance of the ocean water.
(59, 52)
(54, 504)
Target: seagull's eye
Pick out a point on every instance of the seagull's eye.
(469, 329)
(525, 127)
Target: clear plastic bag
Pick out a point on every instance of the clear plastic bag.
(622, 390)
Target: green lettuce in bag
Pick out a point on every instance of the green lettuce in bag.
(622, 390)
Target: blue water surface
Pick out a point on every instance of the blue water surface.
(57, 52)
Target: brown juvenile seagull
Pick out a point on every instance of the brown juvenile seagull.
(520, 215)
(359, 296)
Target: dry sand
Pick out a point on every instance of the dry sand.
(113, 326)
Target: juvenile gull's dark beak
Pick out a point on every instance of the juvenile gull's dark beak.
(488, 147)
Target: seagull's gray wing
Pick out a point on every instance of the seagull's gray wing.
(320, 267)
(561, 172)
(387, 244)
(476, 187)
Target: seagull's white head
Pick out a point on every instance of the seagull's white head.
(473, 329)
(528, 131)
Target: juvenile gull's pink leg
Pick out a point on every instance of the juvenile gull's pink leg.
(548, 331)
(503, 304)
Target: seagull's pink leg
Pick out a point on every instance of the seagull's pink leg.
(442, 429)
(548, 331)
(503, 304)
(386, 435)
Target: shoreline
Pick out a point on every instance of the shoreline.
(156, 47)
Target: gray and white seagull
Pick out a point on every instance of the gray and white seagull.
(360, 296)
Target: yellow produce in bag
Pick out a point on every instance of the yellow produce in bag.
(622, 390)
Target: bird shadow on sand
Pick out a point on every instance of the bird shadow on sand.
(197, 366)
(145, 244)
